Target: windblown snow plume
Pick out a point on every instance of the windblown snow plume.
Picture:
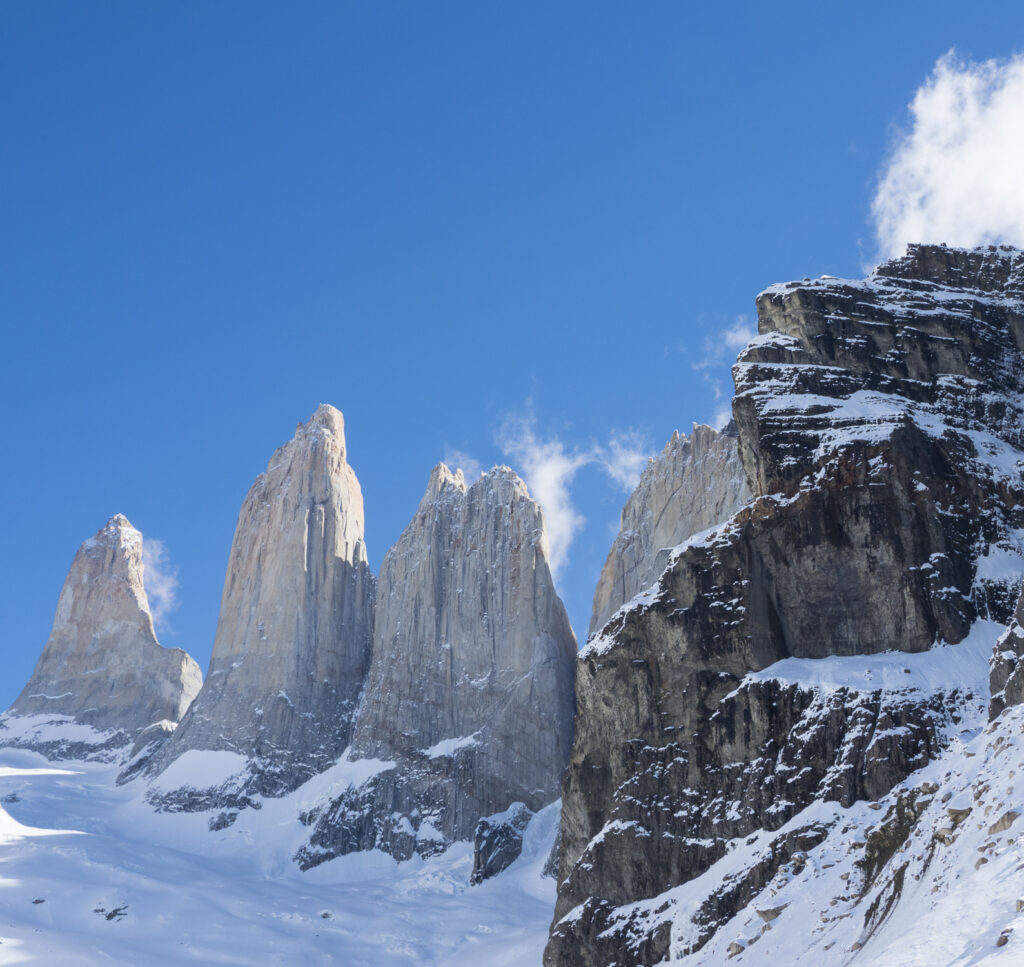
(954, 177)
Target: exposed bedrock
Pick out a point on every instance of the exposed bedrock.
(102, 666)
(469, 697)
(696, 482)
(1006, 667)
(880, 426)
(296, 620)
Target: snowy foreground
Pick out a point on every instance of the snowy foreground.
(90, 874)
(932, 875)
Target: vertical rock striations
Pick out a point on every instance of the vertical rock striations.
(881, 427)
(697, 482)
(469, 696)
(296, 620)
(103, 677)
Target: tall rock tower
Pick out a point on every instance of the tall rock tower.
(469, 699)
(296, 619)
(102, 666)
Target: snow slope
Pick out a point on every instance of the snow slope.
(950, 895)
(952, 890)
(89, 873)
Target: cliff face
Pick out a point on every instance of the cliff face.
(296, 620)
(697, 481)
(1006, 666)
(469, 695)
(880, 425)
(102, 666)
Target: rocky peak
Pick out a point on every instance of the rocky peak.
(469, 696)
(986, 269)
(697, 482)
(102, 665)
(441, 477)
(296, 619)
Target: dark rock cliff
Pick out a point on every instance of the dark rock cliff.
(880, 428)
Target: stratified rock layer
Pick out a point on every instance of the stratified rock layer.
(102, 666)
(470, 694)
(697, 481)
(296, 620)
(880, 426)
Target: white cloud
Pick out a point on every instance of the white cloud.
(720, 350)
(722, 417)
(471, 468)
(160, 578)
(955, 176)
(738, 334)
(549, 466)
(625, 457)
(722, 345)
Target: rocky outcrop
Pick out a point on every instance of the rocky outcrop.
(697, 481)
(498, 841)
(469, 697)
(296, 619)
(880, 426)
(103, 677)
(1006, 667)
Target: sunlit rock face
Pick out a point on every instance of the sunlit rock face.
(103, 677)
(881, 429)
(469, 695)
(697, 481)
(296, 621)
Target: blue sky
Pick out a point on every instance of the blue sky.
(469, 226)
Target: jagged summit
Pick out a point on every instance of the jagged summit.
(500, 482)
(441, 477)
(986, 268)
(296, 619)
(102, 665)
(325, 419)
(469, 695)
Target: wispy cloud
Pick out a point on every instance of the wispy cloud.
(720, 350)
(955, 175)
(625, 457)
(723, 414)
(460, 460)
(160, 578)
(722, 345)
(549, 467)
